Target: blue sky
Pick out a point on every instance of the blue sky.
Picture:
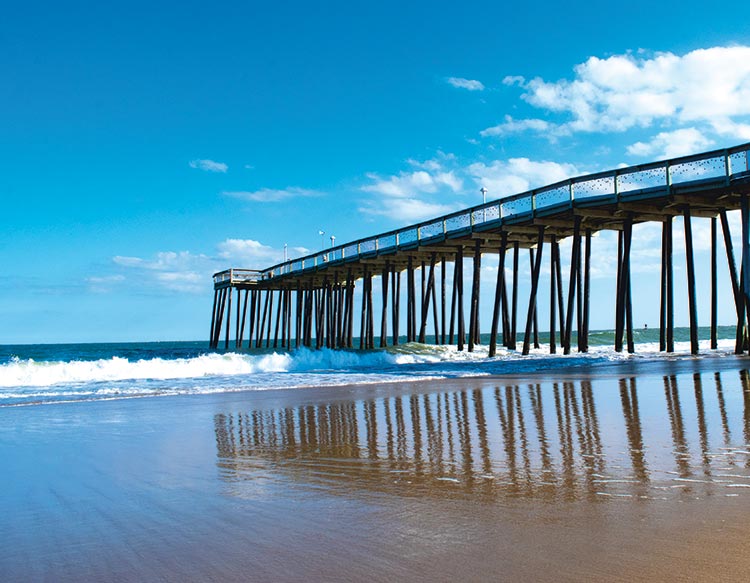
(146, 145)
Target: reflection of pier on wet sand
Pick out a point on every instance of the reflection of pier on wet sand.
(591, 439)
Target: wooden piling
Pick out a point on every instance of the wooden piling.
(498, 294)
(532, 294)
(663, 291)
(670, 289)
(623, 282)
(745, 270)
(442, 299)
(575, 259)
(241, 334)
(714, 288)
(410, 301)
(384, 311)
(692, 300)
(460, 297)
(253, 319)
(584, 333)
(552, 293)
(428, 293)
(395, 304)
(279, 319)
(229, 315)
(514, 300)
(213, 319)
(738, 302)
(536, 312)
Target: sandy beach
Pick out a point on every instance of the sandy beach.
(620, 473)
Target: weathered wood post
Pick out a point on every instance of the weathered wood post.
(498, 294)
(692, 300)
(532, 295)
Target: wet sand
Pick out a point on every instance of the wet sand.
(637, 471)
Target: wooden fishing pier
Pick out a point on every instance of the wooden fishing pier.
(310, 301)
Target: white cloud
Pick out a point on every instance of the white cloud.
(248, 253)
(177, 271)
(209, 166)
(680, 142)
(407, 210)
(512, 126)
(272, 195)
(416, 195)
(706, 87)
(461, 83)
(440, 187)
(507, 177)
(409, 184)
(189, 272)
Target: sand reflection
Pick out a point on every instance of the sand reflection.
(647, 438)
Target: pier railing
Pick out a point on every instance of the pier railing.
(676, 176)
(234, 276)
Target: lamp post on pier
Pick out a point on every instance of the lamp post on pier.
(322, 240)
(333, 240)
(483, 190)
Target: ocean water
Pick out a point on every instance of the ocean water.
(54, 373)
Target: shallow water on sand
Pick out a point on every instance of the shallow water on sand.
(626, 475)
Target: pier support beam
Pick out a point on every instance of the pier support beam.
(229, 315)
(738, 301)
(442, 300)
(575, 261)
(384, 311)
(623, 283)
(536, 313)
(666, 313)
(514, 301)
(459, 274)
(498, 294)
(714, 289)
(395, 303)
(532, 295)
(583, 334)
(213, 319)
(427, 295)
(745, 270)
(474, 311)
(692, 300)
(553, 250)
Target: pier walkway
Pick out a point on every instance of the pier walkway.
(310, 301)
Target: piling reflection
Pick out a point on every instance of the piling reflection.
(632, 438)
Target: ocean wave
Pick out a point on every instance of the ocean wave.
(30, 381)
(29, 372)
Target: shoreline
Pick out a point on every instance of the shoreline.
(663, 365)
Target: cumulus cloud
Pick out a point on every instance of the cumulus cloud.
(469, 84)
(441, 185)
(272, 195)
(507, 177)
(407, 210)
(672, 144)
(513, 126)
(248, 252)
(189, 272)
(178, 271)
(414, 195)
(209, 166)
(706, 90)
